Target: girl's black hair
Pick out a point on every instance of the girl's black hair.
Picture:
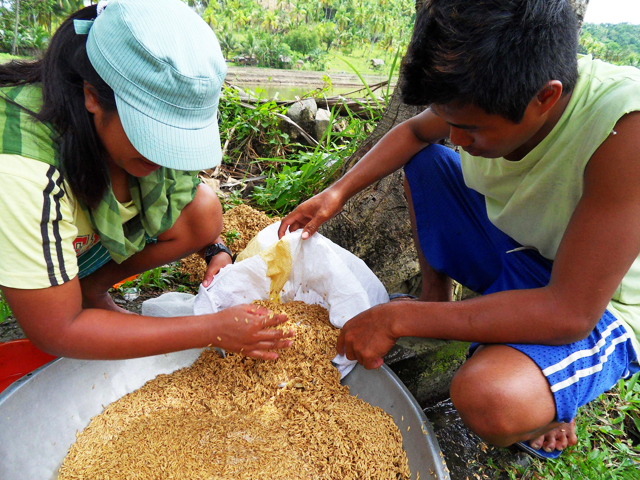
(63, 71)
(495, 54)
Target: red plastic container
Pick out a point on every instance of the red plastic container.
(17, 358)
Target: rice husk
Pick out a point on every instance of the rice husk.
(242, 418)
(241, 220)
(247, 222)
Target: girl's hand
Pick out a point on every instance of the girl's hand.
(247, 329)
(215, 265)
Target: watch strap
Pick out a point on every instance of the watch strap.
(215, 249)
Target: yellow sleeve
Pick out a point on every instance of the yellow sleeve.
(37, 228)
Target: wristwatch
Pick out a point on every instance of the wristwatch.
(215, 249)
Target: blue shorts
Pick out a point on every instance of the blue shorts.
(458, 239)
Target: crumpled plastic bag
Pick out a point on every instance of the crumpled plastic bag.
(170, 304)
(315, 271)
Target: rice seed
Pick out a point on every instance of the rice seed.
(232, 417)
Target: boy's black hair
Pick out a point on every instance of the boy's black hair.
(495, 54)
(62, 72)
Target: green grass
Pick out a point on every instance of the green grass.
(304, 173)
(608, 448)
(5, 311)
(159, 280)
(231, 237)
(6, 57)
(358, 58)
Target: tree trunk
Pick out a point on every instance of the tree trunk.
(374, 224)
(581, 9)
(14, 48)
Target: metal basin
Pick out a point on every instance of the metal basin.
(40, 413)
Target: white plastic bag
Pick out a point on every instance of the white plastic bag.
(315, 271)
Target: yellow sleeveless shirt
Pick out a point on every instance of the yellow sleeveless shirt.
(532, 200)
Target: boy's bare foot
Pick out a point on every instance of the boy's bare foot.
(559, 438)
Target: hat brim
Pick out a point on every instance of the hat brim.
(169, 146)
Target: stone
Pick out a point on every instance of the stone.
(322, 120)
(303, 113)
(426, 366)
(296, 111)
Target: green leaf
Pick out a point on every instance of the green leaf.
(636, 422)
(618, 419)
(364, 83)
(631, 383)
(593, 455)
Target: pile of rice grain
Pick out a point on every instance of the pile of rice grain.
(241, 418)
(245, 221)
(242, 223)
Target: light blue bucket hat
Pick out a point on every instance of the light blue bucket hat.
(166, 69)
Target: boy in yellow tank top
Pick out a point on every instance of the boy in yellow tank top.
(540, 212)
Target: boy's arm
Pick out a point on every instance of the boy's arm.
(600, 244)
(392, 152)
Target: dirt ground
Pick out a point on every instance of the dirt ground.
(10, 330)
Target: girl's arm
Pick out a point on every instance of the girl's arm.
(54, 320)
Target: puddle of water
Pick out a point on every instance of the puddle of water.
(290, 92)
(458, 444)
(467, 456)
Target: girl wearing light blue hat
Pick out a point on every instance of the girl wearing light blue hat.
(98, 145)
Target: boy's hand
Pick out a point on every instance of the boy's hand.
(367, 337)
(215, 265)
(311, 214)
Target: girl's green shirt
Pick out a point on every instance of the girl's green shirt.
(158, 198)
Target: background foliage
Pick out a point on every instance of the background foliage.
(296, 33)
(271, 33)
(619, 43)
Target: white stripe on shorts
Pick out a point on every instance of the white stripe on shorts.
(582, 353)
(585, 372)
